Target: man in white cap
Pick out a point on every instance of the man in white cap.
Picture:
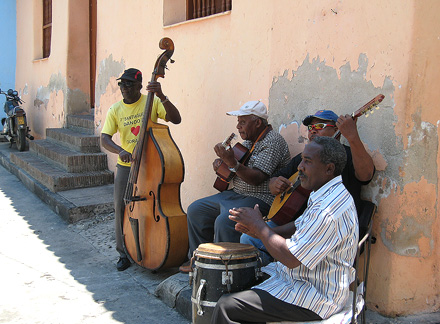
(208, 219)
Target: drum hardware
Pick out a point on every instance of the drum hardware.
(226, 276)
(192, 274)
(199, 297)
(220, 268)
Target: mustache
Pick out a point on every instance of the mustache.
(301, 174)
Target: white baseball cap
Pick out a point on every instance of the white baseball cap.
(256, 108)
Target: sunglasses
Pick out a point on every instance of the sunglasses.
(319, 126)
(126, 84)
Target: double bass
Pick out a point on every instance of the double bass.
(155, 226)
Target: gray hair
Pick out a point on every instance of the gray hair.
(332, 152)
(263, 121)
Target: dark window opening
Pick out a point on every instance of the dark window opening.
(47, 27)
(203, 8)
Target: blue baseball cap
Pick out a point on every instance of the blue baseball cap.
(321, 114)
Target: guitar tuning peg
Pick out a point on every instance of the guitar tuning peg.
(172, 61)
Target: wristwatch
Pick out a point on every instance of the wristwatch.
(235, 169)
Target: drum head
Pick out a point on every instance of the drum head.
(225, 249)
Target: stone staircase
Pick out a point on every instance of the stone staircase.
(69, 163)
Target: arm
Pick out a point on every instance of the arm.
(108, 143)
(251, 219)
(252, 176)
(173, 114)
(362, 161)
(286, 230)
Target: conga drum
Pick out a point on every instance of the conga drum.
(221, 268)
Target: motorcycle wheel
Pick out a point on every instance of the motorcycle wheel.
(21, 140)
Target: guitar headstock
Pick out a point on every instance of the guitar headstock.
(227, 142)
(369, 107)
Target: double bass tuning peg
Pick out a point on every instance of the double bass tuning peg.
(171, 61)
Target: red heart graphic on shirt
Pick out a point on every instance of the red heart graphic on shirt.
(135, 130)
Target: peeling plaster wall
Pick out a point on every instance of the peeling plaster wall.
(297, 57)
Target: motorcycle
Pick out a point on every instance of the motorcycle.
(15, 127)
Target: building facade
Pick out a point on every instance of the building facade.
(295, 56)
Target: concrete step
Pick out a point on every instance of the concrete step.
(57, 179)
(72, 205)
(79, 142)
(81, 123)
(68, 159)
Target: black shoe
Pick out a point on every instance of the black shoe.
(123, 263)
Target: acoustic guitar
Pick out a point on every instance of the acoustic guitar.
(224, 175)
(290, 204)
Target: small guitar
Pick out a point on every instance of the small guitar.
(289, 205)
(224, 175)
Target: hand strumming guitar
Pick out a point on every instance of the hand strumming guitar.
(278, 185)
(227, 156)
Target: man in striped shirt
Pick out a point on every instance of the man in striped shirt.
(310, 281)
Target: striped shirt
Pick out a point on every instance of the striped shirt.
(325, 243)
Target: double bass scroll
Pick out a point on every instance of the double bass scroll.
(154, 225)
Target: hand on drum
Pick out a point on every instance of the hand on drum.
(249, 220)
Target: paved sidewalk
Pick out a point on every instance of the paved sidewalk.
(52, 272)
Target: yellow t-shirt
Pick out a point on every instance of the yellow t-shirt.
(127, 120)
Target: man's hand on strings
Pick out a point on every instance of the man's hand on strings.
(125, 156)
(156, 88)
(347, 126)
(226, 155)
(278, 185)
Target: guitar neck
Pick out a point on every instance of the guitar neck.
(369, 106)
(227, 142)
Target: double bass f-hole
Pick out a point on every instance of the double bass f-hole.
(134, 199)
(155, 216)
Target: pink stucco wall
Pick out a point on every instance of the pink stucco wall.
(297, 57)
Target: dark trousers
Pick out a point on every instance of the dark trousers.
(258, 306)
(121, 179)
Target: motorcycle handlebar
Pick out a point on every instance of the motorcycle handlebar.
(12, 97)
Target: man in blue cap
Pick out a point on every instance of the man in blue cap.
(358, 171)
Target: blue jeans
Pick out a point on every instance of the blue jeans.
(266, 258)
(208, 218)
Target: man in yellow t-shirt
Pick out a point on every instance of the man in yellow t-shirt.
(125, 117)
